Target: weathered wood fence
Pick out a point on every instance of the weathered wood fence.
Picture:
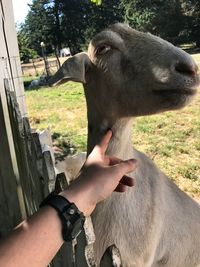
(27, 176)
(26, 173)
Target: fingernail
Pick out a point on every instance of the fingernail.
(109, 129)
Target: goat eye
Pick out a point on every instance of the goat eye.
(101, 50)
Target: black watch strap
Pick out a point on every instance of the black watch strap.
(72, 219)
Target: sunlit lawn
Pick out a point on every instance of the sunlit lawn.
(171, 139)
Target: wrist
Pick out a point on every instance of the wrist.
(80, 199)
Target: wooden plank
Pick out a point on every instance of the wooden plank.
(49, 170)
(111, 257)
(33, 155)
(42, 177)
(29, 157)
(11, 146)
(64, 257)
(10, 214)
(80, 258)
(17, 132)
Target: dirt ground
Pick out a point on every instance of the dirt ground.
(37, 67)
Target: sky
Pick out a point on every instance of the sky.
(20, 9)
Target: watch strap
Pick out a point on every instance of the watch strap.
(72, 219)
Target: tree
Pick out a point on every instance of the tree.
(97, 2)
(192, 11)
(57, 23)
(61, 23)
(164, 18)
(42, 24)
(102, 16)
(139, 14)
(74, 20)
(26, 53)
(53, 9)
(81, 19)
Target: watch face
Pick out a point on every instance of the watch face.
(73, 222)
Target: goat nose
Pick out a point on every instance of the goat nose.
(186, 68)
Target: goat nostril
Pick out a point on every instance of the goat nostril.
(185, 68)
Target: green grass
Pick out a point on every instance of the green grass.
(63, 109)
(171, 139)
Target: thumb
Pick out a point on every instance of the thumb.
(125, 166)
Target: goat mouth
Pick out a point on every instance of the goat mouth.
(185, 91)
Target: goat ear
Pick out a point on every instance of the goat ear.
(73, 69)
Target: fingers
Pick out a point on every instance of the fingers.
(111, 160)
(128, 181)
(125, 166)
(120, 188)
(124, 183)
(103, 144)
(114, 160)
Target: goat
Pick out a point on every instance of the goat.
(125, 74)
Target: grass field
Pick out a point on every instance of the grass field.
(171, 139)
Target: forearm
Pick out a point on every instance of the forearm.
(34, 243)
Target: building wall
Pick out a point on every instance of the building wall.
(9, 54)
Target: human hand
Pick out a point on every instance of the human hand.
(99, 177)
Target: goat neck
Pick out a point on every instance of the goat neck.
(120, 144)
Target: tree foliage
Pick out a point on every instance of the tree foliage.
(71, 23)
(100, 17)
(164, 18)
(61, 23)
(40, 25)
(175, 20)
(192, 10)
(97, 2)
(26, 53)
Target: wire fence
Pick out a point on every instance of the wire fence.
(38, 67)
(15, 78)
(34, 68)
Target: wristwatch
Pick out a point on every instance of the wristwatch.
(72, 219)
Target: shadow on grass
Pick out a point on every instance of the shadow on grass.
(62, 145)
(27, 82)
